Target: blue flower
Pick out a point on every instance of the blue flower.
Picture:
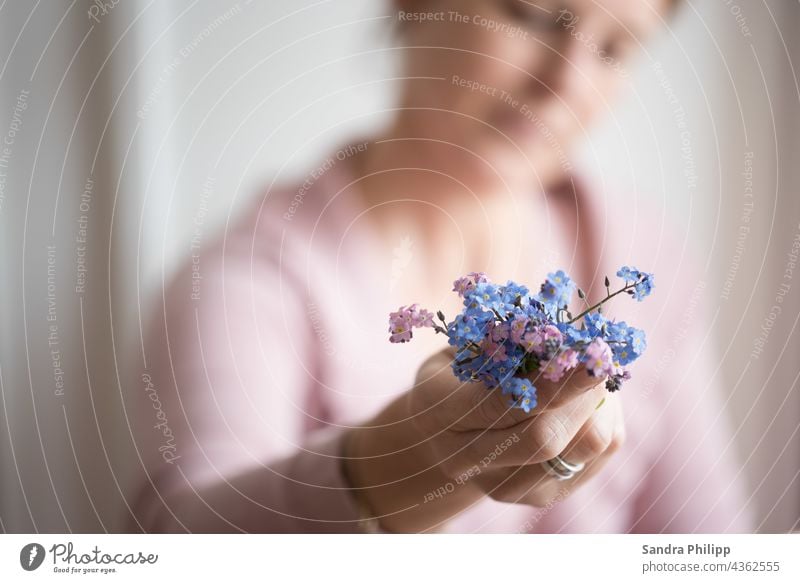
(595, 323)
(463, 353)
(616, 336)
(627, 343)
(498, 373)
(526, 403)
(637, 342)
(622, 354)
(515, 356)
(484, 295)
(616, 332)
(463, 373)
(557, 290)
(504, 332)
(468, 328)
(643, 282)
(573, 335)
(535, 312)
(523, 393)
(469, 366)
(513, 294)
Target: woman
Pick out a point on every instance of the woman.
(283, 407)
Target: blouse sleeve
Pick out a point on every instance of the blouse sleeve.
(694, 482)
(229, 421)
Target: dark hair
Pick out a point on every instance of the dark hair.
(672, 9)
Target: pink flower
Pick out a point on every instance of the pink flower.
(529, 341)
(404, 320)
(495, 350)
(463, 284)
(599, 358)
(499, 331)
(518, 326)
(542, 341)
(550, 332)
(555, 368)
(421, 318)
(568, 358)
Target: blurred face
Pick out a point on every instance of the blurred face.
(515, 75)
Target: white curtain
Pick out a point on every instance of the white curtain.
(133, 129)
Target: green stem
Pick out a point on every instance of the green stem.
(601, 302)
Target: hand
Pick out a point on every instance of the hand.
(445, 445)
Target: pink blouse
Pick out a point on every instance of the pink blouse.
(273, 339)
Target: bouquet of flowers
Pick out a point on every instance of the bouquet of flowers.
(504, 335)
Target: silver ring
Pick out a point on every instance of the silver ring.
(561, 469)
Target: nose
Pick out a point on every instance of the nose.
(568, 75)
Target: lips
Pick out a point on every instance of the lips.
(546, 123)
(518, 125)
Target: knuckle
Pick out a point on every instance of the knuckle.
(423, 416)
(538, 498)
(489, 406)
(618, 440)
(599, 436)
(502, 493)
(549, 437)
(426, 371)
(510, 485)
(450, 467)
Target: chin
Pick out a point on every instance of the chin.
(528, 159)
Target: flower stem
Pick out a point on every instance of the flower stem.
(601, 302)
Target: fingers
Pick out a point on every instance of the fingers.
(603, 429)
(541, 437)
(464, 406)
(482, 408)
(552, 395)
(469, 405)
(517, 485)
(473, 432)
(457, 405)
(571, 390)
(531, 484)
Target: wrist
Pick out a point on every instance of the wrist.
(368, 522)
(393, 471)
